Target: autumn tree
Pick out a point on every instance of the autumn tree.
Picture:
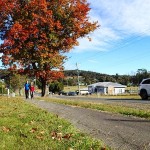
(36, 34)
(15, 81)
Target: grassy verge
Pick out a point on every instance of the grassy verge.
(114, 108)
(125, 96)
(24, 126)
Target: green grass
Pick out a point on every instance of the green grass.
(26, 127)
(121, 96)
(113, 108)
(73, 88)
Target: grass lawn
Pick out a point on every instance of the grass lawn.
(73, 88)
(125, 96)
(26, 127)
(120, 108)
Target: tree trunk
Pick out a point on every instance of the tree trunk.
(43, 92)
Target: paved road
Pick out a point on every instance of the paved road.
(119, 132)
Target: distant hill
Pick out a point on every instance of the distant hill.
(89, 77)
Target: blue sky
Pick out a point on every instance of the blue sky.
(122, 43)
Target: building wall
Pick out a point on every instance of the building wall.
(111, 90)
(119, 90)
(91, 89)
(100, 89)
(106, 90)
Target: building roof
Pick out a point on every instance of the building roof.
(107, 84)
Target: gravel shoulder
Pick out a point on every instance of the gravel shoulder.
(117, 131)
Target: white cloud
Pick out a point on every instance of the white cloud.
(136, 17)
(118, 20)
(99, 40)
(131, 16)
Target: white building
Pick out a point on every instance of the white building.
(107, 88)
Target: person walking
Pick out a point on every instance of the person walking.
(32, 90)
(27, 88)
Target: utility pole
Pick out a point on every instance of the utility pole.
(78, 79)
(35, 81)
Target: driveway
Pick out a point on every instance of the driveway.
(117, 131)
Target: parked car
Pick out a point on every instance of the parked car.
(72, 93)
(63, 93)
(83, 92)
(144, 89)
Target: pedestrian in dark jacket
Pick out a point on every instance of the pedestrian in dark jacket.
(27, 88)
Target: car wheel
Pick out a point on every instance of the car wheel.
(144, 95)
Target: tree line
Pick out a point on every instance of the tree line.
(16, 81)
(89, 77)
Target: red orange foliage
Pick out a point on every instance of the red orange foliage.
(37, 33)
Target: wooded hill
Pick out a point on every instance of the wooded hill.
(89, 77)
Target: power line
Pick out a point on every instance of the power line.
(128, 42)
(78, 78)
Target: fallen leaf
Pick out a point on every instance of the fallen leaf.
(67, 136)
(59, 136)
(5, 129)
(39, 137)
(54, 134)
(33, 130)
(32, 122)
(42, 132)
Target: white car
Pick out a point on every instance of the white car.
(144, 89)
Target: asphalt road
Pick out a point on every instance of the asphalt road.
(117, 131)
